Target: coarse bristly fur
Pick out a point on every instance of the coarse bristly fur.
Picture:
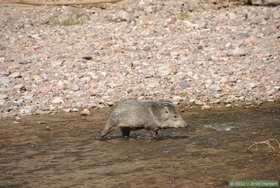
(151, 115)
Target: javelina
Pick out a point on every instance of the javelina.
(132, 115)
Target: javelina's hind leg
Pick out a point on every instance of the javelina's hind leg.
(125, 132)
(108, 128)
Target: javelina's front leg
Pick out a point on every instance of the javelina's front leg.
(125, 132)
(155, 133)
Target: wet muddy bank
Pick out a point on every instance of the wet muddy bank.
(61, 151)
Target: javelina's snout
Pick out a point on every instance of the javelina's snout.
(178, 122)
(183, 124)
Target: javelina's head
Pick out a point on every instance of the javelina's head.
(170, 118)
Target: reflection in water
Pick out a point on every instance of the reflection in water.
(222, 126)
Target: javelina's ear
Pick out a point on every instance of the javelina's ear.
(166, 110)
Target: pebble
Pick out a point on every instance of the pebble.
(74, 110)
(85, 112)
(164, 69)
(184, 84)
(2, 59)
(25, 62)
(67, 110)
(28, 97)
(277, 88)
(252, 85)
(3, 97)
(42, 122)
(5, 73)
(61, 85)
(58, 100)
(75, 88)
(237, 52)
(205, 107)
(27, 110)
(4, 82)
(2, 102)
(51, 108)
(17, 118)
(15, 75)
(87, 58)
(121, 16)
(228, 105)
(48, 128)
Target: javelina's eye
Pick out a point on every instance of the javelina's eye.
(175, 116)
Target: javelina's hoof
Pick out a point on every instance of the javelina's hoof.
(126, 137)
(155, 134)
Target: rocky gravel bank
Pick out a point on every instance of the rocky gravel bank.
(200, 52)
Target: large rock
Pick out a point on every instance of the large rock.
(265, 2)
(120, 16)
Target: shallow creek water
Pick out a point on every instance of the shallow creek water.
(61, 151)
